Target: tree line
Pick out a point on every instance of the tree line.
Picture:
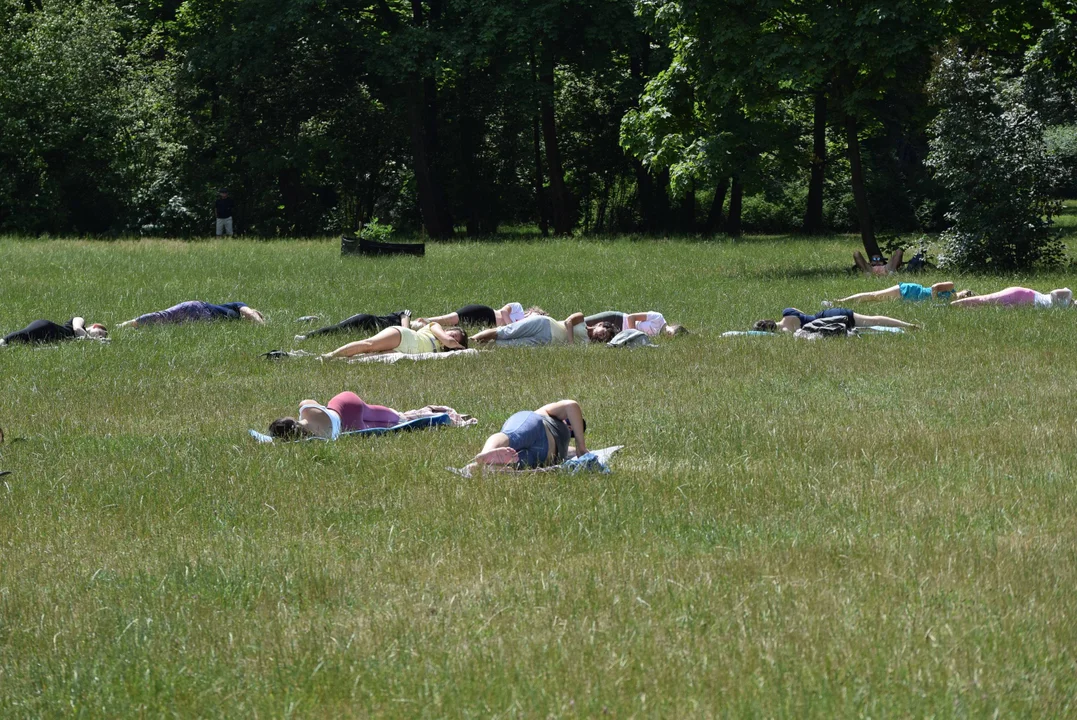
(466, 116)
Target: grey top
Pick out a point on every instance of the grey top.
(561, 434)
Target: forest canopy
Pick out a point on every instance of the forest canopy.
(466, 116)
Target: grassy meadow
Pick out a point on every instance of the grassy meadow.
(878, 526)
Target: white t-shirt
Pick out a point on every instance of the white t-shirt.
(651, 326)
(1043, 300)
(516, 312)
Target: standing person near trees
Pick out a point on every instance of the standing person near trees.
(224, 207)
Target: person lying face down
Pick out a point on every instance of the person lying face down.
(432, 338)
(910, 292)
(482, 316)
(544, 330)
(793, 319)
(195, 311)
(346, 412)
(46, 331)
(1015, 296)
(536, 439)
(649, 323)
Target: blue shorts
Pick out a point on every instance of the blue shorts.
(527, 436)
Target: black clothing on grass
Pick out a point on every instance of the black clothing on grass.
(361, 322)
(42, 331)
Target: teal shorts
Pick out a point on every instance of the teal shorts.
(914, 292)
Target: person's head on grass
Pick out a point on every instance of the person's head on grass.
(288, 428)
(601, 332)
(252, 315)
(675, 330)
(97, 331)
(1062, 297)
(765, 326)
(458, 335)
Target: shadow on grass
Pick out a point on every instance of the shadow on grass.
(808, 273)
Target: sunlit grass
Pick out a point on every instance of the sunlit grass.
(876, 526)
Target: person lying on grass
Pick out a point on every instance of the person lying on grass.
(346, 408)
(535, 439)
(792, 320)
(911, 292)
(429, 339)
(544, 330)
(482, 316)
(196, 310)
(362, 323)
(649, 323)
(1013, 296)
(46, 331)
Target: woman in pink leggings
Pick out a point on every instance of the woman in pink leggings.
(346, 412)
(1061, 297)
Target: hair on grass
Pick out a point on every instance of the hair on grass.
(676, 330)
(765, 326)
(460, 335)
(288, 428)
(610, 328)
(535, 310)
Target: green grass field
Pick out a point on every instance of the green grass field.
(882, 526)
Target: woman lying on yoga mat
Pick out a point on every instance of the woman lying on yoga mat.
(194, 310)
(544, 330)
(482, 315)
(431, 338)
(792, 320)
(911, 292)
(1062, 297)
(649, 323)
(536, 439)
(362, 323)
(346, 411)
(45, 331)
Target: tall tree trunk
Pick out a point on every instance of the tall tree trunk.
(422, 122)
(714, 217)
(687, 219)
(736, 202)
(559, 200)
(860, 194)
(813, 217)
(540, 192)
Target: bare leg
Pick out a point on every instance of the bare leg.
(895, 261)
(941, 287)
(893, 293)
(861, 263)
(880, 320)
(446, 320)
(387, 339)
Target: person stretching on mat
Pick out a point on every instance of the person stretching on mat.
(910, 292)
(482, 315)
(1013, 296)
(544, 330)
(649, 323)
(792, 320)
(430, 339)
(536, 439)
(362, 323)
(346, 412)
(45, 331)
(195, 310)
